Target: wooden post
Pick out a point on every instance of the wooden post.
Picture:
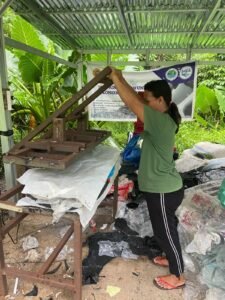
(77, 258)
(82, 122)
(59, 130)
(115, 196)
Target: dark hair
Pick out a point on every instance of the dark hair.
(161, 88)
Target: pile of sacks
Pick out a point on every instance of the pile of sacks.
(79, 188)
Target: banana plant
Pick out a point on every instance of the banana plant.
(209, 106)
(40, 86)
(220, 95)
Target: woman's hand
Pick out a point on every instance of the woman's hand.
(115, 74)
(96, 71)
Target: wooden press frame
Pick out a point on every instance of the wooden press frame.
(58, 147)
(74, 285)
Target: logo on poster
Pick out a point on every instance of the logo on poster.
(171, 74)
(186, 72)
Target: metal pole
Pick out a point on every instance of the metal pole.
(188, 54)
(80, 74)
(17, 45)
(80, 82)
(5, 115)
(109, 57)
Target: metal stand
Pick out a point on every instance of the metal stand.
(74, 285)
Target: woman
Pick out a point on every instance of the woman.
(157, 176)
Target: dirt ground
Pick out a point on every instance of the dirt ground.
(131, 278)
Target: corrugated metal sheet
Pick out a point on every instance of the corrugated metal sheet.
(131, 24)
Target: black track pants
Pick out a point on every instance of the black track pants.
(162, 209)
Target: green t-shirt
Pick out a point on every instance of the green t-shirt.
(157, 172)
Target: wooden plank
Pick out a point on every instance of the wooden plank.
(89, 132)
(77, 257)
(58, 130)
(36, 162)
(22, 151)
(11, 192)
(39, 145)
(61, 112)
(76, 113)
(70, 147)
(82, 122)
(45, 155)
(85, 138)
(10, 206)
(66, 146)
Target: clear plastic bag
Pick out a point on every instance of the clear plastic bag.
(203, 242)
(200, 205)
(213, 276)
(194, 290)
(215, 294)
(137, 219)
(115, 249)
(29, 242)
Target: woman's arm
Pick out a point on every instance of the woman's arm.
(128, 94)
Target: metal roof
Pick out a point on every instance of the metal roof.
(128, 24)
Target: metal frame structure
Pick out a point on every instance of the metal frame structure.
(74, 285)
(58, 146)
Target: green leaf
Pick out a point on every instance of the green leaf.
(25, 33)
(220, 95)
(48, 68)
(201, 121)
(30, 67)
(206, 100)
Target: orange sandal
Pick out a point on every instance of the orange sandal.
(163, 285)
(157, 261)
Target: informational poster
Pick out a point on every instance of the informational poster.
(181, 77)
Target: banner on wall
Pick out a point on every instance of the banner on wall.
(181, 77)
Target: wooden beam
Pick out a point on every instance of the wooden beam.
(11, 207)
(11, 192)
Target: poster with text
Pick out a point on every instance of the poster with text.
(181, 77)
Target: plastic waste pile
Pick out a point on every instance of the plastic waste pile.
(202, 232)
